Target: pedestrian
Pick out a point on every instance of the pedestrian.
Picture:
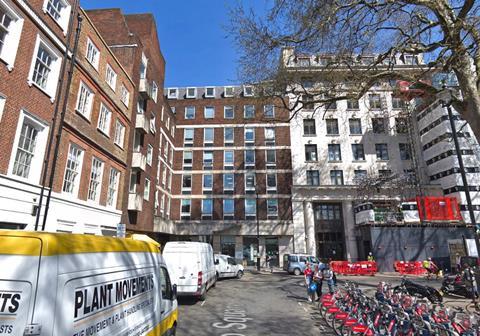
(431, 268)
(270, 263)
(458, 262)
(370, 257)
(469, 278)
(328, 277)
(308, 274)
(317, 278)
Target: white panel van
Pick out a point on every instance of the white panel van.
(191, 266)
(57, 284)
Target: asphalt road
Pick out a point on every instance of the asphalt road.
(266, 304)
(258, 304)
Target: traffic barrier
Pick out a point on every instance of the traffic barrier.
(409, 267)
(354, 268)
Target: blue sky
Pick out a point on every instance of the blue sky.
(192, 37)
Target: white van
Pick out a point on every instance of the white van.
(57, 284)
(227, 267)
(191, 266)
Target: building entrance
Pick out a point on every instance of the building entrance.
(271, 248)
(250, 251)
(329, 231)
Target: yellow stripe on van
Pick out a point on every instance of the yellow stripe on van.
(167, 323)
(11, 242)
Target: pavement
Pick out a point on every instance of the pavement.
(262, 303)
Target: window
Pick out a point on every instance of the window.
(186, 207)
(119, 134)
(405, 151)
(271, 181)
(359, 174)
(45, 68)
(228, 207)
(309, 127)
(207, 159)
(336, 177)
(378, 125)
(141, 106)
(190, 112)
(384, 172)
(311, 153)
(308, 102)
(146, 191)
(209, 112)
(172, 93)
(191, 92)
(95, 184)
(228, 134)
(401, 125)
(228, 181)
(272, 207)
(187, 158)
(143, 67)
(59, 11)
(250, 181)
(250, 207)
(2, 106)
(73, 170)
(332, 126)
(209, 92)
(154, 91)
(228, 91)
(269, 136)
(149, 154)
(358, 152)
(93, 54)
(104, 119)
(124, 95)
(355, 126)
(334, 153)
(28, 157)
(207, 207)
(228, 158)
(249, 135)
(382, 151)
(304, 62)
(374, 101)
(410, 60)
(248, 91)
(186, 182)
(207, 182)
(111, 77)
(10, 29)
(331, 105)
(228, 112)
(153, 123)
(84, 100)
(313, 177)
(353, 104)
(112, 192)
(249, 111)
(270, 157)
(208, 135)
(397, 103)
(269, 111)
(250, 157)
(188, 136)
(171, 155)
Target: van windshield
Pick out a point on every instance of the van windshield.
(313, 259)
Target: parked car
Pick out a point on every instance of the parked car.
(227, 267)
(296, 263)
(191, 266)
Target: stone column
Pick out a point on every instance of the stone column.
(310, 228)
(298, 227)
(349, 226)
(216, 243)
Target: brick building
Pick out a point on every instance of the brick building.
(134, 41)
(232, 171)
(33, 38)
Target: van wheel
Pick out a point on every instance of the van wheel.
(239, 274)
(214, 282)
(172, 331)
(217, 276)
(203, 297)
(297, 271)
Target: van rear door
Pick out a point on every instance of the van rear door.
(19, 260)
(184, 268)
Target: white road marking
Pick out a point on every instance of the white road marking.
(306, 310)
(299, 303)
(203, 303)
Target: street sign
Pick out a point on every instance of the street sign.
(121, 230)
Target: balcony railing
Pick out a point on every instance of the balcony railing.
(139, 161)
(135, 202)
(141, 123)
(145, 88)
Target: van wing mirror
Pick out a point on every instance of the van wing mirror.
(217, 262)
(174, 291)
